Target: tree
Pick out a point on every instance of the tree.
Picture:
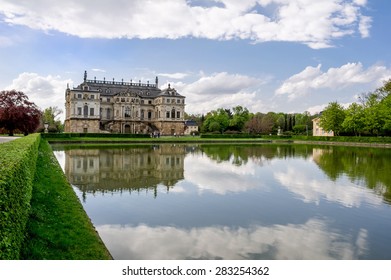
(17, 112)
(354, 119)
(240, 117)
(49, 116)
(374, 119)
(220, 117)
(260, 123)
(332, 118)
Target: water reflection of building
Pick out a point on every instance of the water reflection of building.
(130, 169)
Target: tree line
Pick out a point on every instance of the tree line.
(240, 120)
(370, 116)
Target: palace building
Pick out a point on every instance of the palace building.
(98, 106)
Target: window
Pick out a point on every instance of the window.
(173, 113)
(167, 115)
(92, 111)
(149, 115)
(149, 102)
(85, 110)
(127, 112)
(79, 111)
(168, 100)
(79, 95)
(108, 113)
(178, 115)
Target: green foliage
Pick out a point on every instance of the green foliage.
(354, 119)
(17, 169)
(222, 120)
(240, 117)
(95, 135)
(346, 139)
(49, 116)
(332, 118)
(229, 136)
(300, 129)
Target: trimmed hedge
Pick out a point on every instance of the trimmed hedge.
(357, 139)
(18, 160)
(229, 136)
(97, 135)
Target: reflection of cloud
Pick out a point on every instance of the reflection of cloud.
(221, 178)
(306, 183)
(312, 240)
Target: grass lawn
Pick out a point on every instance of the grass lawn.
(58, 227)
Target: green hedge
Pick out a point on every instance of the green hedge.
(357, 139)
(17, 170)
(94, 135)
(229, 136)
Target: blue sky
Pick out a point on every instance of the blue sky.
(266, 55)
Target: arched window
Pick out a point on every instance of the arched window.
(85, 111)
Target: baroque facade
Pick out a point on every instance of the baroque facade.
(123, 107)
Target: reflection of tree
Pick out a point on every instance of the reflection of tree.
(240, 154)
(135, 169)
(370, 165)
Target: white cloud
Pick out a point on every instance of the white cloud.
(221, 90)
(221, 178)
(314, 23)
(221, 83)
(364, 26)
(313, 78)
(98, 70)
(310, 189)
(45, 92)
(176, 76)
(315, 239)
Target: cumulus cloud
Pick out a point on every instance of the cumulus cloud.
(313, 78)
(308, 187)
(44, 91)
(221, 90)
(314, 23)
(316, 239)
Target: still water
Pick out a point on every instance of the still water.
(236, 201)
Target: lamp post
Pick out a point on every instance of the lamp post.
(46, 125)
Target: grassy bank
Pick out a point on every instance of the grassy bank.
(58, 227)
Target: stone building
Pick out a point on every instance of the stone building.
(318, 130)
(123, 107)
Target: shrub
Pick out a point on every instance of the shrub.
(229, 136)
(17, 170)
(98, 135)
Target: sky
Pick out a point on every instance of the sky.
(286, 56)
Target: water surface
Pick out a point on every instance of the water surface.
(236, 201)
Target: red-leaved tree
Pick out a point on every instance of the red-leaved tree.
(17, 112)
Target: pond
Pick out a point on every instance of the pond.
(205, 201)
